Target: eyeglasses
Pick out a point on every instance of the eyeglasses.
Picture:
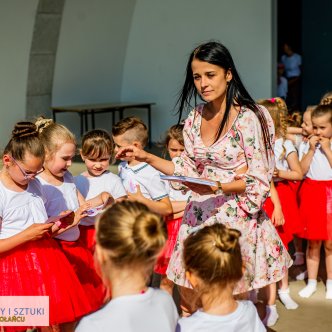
(26, 175)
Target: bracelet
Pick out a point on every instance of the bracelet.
(219, 190)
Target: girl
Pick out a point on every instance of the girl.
(316, 197)
(287, 169)
(60, 193)
(224, 136)
(213, 263)
(97, 149)
(31, 263)
(129, 238)
(175, 146)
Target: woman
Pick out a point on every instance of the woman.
(228, 139)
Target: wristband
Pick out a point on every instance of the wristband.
(219, 190)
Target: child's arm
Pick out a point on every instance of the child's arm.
(295, 171)
(32, 233)
(162, 207)
(326, 147)
(294, 130)
(307, 158)
(277, 215)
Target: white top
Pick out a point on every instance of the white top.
(144, 175)
(243, 319)
(19, 210)
(283, 147)
(292, 65)
(320, 168)
(282, 88)
(176, 195)
(153, 311)
(61, 198)
(92, 186)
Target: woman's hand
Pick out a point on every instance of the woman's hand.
(132, 152)
(201, 189)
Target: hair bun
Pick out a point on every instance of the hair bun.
(41, 123)
(24, 129)
(228, 239)
(326, 101)
(149, 233)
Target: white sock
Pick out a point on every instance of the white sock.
(308, 290)
(271, 315)
(299, 258)
(286, 299)
(303, 275)
(328, 294)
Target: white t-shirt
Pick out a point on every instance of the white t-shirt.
(176, 195)
(146, 177)
(19, 210)
(153, 311)
(243, 319)
(283, 147)
(320, 168)
(92, 186)
(292, 65)
(61, 198)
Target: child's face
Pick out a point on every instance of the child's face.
(59, 162)
(306, 125)
(97, 166)
(322, 125)
(21, 172)
(174, 148)
(120, 141)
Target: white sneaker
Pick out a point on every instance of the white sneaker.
(302, 276)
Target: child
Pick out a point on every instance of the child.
(97, 149)
(129, 238)
(316, 197)
(31, 262)
(175, 146)
(213, 263)
(141, 181)
(60, 193)
(287, 169)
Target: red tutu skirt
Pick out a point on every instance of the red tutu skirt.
(316, 209)
(39, 268)
(83, 264)
(87, 237)
(288, 201)
(173, 227)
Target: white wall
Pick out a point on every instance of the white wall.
(163, 33)
(90, 57)
(16, 29)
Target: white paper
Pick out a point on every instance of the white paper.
(188, 179)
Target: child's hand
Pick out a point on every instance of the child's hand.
(313, 141)
(38, 231)
(277, 217)
(325, 143)
(107, 199)
(66, 221)
(137, 196)
(276, 173)
(81, 213)
(132, 152)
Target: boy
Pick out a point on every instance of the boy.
(141, 181)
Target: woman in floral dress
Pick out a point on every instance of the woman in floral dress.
(227, 139)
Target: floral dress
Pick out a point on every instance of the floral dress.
(265, 258)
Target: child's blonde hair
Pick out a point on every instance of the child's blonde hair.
(295, 119)
(214, 255)
(97, 143)
(131, 234)
(326, 99)
(279, 114)
(53, 134)
(133, 128)
(322, 110)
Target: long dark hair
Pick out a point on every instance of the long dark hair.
(217, 54)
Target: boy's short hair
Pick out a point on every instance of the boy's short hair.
(134, 128)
